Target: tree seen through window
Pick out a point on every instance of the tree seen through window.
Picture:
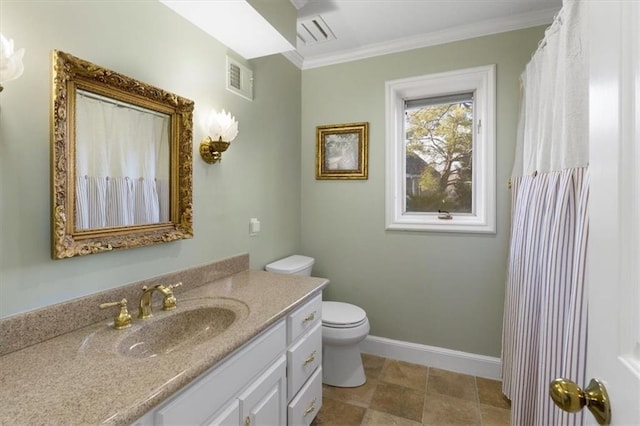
(438, 157)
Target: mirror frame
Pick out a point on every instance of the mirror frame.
(71, 73)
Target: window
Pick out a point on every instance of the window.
(441, 152)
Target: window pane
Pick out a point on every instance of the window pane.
(438, 155)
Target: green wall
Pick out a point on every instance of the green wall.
(443, 290)
(258, 177)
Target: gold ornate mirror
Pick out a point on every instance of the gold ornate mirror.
(121, 153)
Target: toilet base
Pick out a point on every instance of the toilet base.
(342, 366)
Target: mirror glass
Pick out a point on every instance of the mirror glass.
(121, 161)
(120, 183)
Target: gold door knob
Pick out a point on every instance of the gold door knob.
(571, 398)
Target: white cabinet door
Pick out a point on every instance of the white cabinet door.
(230, 416)
(265, 401)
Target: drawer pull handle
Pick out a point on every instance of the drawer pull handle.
(310, 359)
(309, 317)
(247, 421)
(310, 409)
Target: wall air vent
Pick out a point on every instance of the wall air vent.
(234, 76)
(314, 30)
(239, 79)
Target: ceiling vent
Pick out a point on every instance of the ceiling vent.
(239, 79)
(314, 30)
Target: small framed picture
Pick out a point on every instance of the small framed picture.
(342, 151)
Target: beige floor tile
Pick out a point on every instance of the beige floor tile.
(378, 418)
(336, 413)
(393, 396)
(494, 416)
(490, 393)
(398, 400)
(405, 374)
(360, 395)
(442, 409)
(458, 385)
(372, 365)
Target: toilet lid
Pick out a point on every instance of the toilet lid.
(340, 314)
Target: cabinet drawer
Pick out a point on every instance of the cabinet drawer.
(304, 318)
(302, 360)
(212, 391)
(305, 406)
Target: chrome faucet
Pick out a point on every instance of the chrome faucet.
(168, 303)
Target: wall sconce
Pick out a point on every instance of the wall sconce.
(222, 128)
(10, 62)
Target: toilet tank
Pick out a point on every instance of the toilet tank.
(292, 265)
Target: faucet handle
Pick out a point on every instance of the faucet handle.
(123, 319)
(169, 302)
(172, 286)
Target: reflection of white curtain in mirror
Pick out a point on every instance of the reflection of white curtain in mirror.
(122, 165)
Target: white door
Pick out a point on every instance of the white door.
(613, 354)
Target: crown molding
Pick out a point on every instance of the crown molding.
(295, 58)
(478, 29)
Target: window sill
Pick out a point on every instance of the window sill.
(430, 223)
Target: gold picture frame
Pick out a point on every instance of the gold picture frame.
(342, 151)
(72, 74)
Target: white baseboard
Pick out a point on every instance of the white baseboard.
(431, 356)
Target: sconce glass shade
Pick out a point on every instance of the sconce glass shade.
(222, 126)
(10, 61)
(222, 129)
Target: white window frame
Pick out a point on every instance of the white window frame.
(480, 81)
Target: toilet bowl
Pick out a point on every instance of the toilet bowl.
(344, 326)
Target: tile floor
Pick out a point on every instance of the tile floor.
(404, 394)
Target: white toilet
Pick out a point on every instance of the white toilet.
(344, 326)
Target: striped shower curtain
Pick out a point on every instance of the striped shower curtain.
(105, 201)
(545, 319)
(544, 333)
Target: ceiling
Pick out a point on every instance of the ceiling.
(357, 29)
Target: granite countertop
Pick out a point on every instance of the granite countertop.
(80, 378)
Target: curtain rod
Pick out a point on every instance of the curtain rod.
(120, 104)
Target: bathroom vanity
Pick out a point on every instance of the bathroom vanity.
(276, 379)
(261, 367)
